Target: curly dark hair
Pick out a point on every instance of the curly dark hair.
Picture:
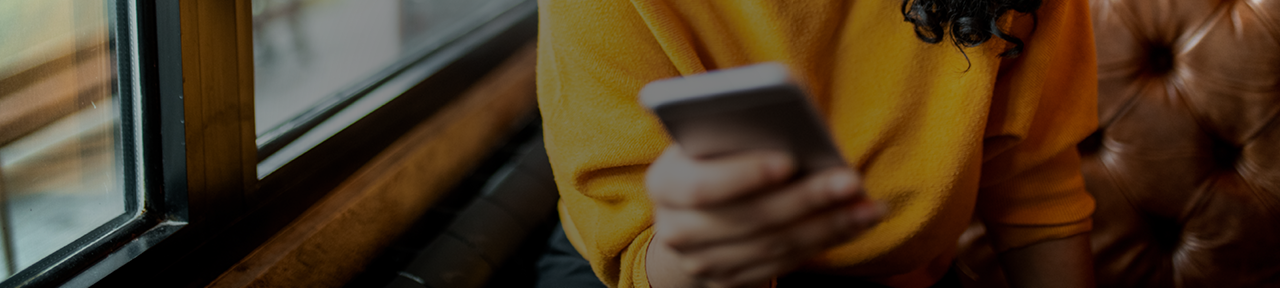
(968, 22)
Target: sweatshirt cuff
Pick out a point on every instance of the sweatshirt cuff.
(639, 274)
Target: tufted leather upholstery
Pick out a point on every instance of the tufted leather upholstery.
(1186, 163)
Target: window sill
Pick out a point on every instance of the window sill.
(349, 226)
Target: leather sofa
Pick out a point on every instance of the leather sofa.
(1185, 165)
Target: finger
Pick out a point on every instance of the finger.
(680, 181)
(662, 177)
(727, 178)
(834, 226)
(769, 210)
(824, 191)
(724, 261)
(783, 247)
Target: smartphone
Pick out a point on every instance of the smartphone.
(752, 107)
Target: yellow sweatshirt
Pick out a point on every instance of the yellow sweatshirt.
(939, 144)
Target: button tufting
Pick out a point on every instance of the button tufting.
(1225, 154)
(1091, 144)
(1184, 169)
(1166, 233)
(1159, 59)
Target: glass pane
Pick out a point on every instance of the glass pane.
(306, 51)
(60, 172)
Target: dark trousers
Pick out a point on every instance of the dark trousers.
(562, 266)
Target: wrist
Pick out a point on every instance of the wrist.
(1066, 263)
(661, 267)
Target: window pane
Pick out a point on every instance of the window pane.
(309, 51)
(60, 167)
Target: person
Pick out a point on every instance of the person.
(969, 109)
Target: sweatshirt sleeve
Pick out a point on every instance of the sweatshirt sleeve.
(593, 59)
(1045, 102)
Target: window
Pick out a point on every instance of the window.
(74, 162)
(130, 130)
(61, 175)
(313, 59)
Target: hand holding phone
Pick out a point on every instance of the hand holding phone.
(753, 185)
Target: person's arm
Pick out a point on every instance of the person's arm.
(593, 58)
(1064, 263)
(1033, 199)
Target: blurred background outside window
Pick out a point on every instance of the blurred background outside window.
(311, 54)
(60, 167)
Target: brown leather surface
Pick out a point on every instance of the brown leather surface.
(1186, 163)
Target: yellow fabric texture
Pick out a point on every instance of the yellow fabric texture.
(935, 138)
